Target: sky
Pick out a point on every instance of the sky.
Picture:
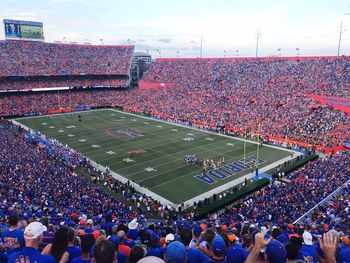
(173, 28)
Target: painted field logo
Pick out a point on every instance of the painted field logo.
(124, 133)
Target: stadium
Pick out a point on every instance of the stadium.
(112, 154)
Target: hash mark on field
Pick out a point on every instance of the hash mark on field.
(60, 130)
(123, 117)
(113, 114)
(52, 127)
(111, 152)
(145, 122)
(209, 139)
(190, 134)
(174, 130)
(133, 120)
(71, 126)
(82, 140)
(95, 146)
(44, 123)
(128, 160)
(70, 135)
(150, 169)
(229, 144)
(160, 126)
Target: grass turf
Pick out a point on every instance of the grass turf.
(161, 167)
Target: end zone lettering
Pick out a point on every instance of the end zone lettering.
(227, 170)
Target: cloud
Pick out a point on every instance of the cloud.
(164, 40)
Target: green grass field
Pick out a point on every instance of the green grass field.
(106, 136)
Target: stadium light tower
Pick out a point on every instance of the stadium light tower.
(279, 52)
(258, 36)
(201, 50)
(297, 50)
(341, 30)
(237, 52)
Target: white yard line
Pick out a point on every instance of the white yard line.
(210, 132)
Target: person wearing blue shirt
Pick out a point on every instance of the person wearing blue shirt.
(73, 251)
(33, 235)
(87, 242)
(344, 255)
(13, 237)
(308, 248)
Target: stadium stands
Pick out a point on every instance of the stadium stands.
(267, 96)
(31, 64)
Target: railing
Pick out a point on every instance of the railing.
(322, 202)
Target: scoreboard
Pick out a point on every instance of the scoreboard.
(16, 29)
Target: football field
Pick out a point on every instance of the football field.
(158, 149)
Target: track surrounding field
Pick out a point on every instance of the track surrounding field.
(108, 137)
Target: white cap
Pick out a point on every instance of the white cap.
(169, 238)
(133, 224)
(89, 221)
(307, 238)
(35, 230)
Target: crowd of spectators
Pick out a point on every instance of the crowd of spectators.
(35, 183)
(34, 58)
(29, 83)
(186, 242)
(41, 102)
(267, 96)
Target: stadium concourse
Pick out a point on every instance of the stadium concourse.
(47, 206)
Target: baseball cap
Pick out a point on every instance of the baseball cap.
(89, 222)
(218, 245)
(151, 259)
(80, 232)
(232, 237)
(307, 237)
(276, 252)
(345, 240)
(133, 224)
(176, 252)
(96, 234)
(34, 229)
(290, 226)
(236, 254)
(169, 238)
